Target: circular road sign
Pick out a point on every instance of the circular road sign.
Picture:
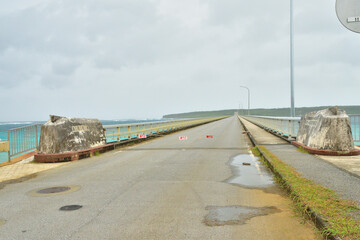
(348, 12)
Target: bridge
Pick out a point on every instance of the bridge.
(199, 182)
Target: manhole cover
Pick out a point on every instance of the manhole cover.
(70, 208)
(53, 190)
(56, 190)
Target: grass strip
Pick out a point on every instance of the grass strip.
(303, 150)
(342, 216)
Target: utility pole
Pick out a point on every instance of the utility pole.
(292, 59)
(248, 98)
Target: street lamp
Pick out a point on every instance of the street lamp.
(248, 98)
(292, 59)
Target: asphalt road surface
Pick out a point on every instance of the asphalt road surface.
(164, 188)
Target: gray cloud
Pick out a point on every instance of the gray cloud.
(65, 67)
(145, 58)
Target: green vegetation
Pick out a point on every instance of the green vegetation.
(256, 152)
(280, 112)
(342, 216)
(303, 150)
(96, 153)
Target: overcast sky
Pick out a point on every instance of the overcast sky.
(118, 59)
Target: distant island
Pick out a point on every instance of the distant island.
(279, 112)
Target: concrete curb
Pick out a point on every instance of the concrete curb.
(275, 133)
(18, 159)
(72, 156)
(316, 218)
(316, 151)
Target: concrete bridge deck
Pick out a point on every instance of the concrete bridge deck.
(160, 189)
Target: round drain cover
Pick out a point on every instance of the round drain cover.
(70, 207)
(50, 191)
(53, 190)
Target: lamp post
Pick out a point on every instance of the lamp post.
(292, 59)
(248, 98)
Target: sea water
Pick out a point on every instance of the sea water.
(5, 126)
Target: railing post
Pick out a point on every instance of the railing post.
(9, 154)
(36, 137)
(105, 135)
(137, 130)
(118, 133)
(129, 130)
(289, 128)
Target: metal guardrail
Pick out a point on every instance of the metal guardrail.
(23, 140)
(355, 127)
(285, 126)
(120, 132)
(26, 139)
(289, 127)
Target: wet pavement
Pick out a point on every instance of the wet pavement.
(235, 215)
(160, 189)
(249, 172)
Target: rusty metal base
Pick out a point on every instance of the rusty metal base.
(354, 152)
(72, 156)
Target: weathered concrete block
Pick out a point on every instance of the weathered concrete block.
(63, 134)
(327, 129)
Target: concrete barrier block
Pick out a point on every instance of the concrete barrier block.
(327, 129)
(64, 134)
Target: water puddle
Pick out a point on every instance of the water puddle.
(249, 172)
(235, 215)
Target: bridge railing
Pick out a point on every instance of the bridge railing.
(23, 140)
(115, 133)
(289, 127)
(355, 128)
(26, 139)
(285, 126)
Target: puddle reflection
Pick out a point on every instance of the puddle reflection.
(235, 215)
(249, 172)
